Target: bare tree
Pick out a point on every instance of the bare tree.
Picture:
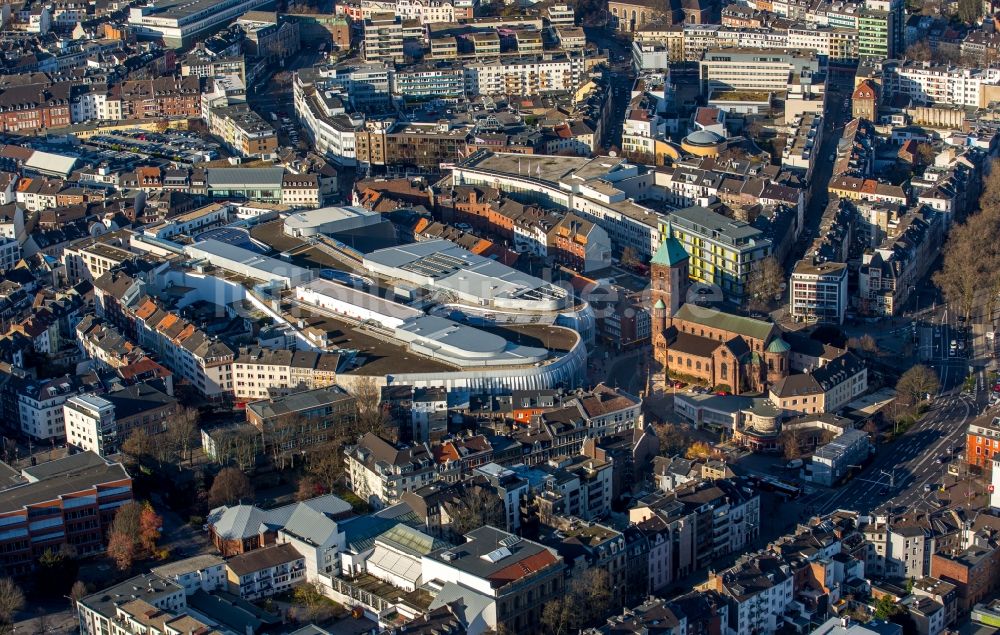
(78, 592)
(791, 443)
(41, 620)
(11, 601)
(475, 507)
(920, 51)
(371, 416)
(230, 485)
(326, 465)
(629, 258)
(587, 600)
(183, 432)
(673, 440)
(764, 283)
(915, 384)
(138, 447)
(865, 344)
(963, 271)
(239, 446)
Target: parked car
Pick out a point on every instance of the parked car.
(794, 464)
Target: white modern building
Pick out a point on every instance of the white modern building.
(330, 220)
(443, 266)
(818, 291)
(40, 406)
(206, 572)
(177, 22)
(524, 75)
(940, 83)
(244, 262)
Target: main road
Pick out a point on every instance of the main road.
(901, 469)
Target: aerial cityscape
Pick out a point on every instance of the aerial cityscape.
(500, 317)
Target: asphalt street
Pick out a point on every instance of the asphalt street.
(900, 469)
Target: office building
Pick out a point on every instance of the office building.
(70, 501)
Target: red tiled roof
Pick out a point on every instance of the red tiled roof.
(525, 567)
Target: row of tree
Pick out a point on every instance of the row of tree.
(175, 445)
(972, 257)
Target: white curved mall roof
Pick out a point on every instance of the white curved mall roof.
(443, 265)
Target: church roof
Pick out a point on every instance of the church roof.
(745, 326)
(778, 345)
(659, 304)
(669, 253)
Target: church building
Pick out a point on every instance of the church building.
(703, 343)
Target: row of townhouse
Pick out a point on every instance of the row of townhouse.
(425, 11)
(835, 30)
(690, 42)
(213, 368)
(604, 190)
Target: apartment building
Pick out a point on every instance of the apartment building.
(511, 576)
(982, 441)
(89, 259)
(379, 473)
(903, 544)
(429, 80)
(243, 131)
(40, 406)
(721, 251)
(826, 389)
(301, 191)
(304, 420)
(67, 501)
(183, 348)
(260, 373)
(889, 273)
(933, 83)
(818, 291)
(99, 613)
(758, 589)
(265, 572)
(382, 39)
(402, 143)
(161, 98)
(102, 423)
(205, 572)
(524, 75)
(34, 106)
(324, 117)
(426, 11)
(269, 37)
(579, 244)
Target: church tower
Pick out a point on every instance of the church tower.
(668, 272)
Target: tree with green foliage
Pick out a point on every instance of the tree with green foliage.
(58, 569)
(886, 607)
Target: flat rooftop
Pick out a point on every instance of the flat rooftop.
(49, 489)
(443, 264)
(547, 168)
(216, 252)
(379, 356)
